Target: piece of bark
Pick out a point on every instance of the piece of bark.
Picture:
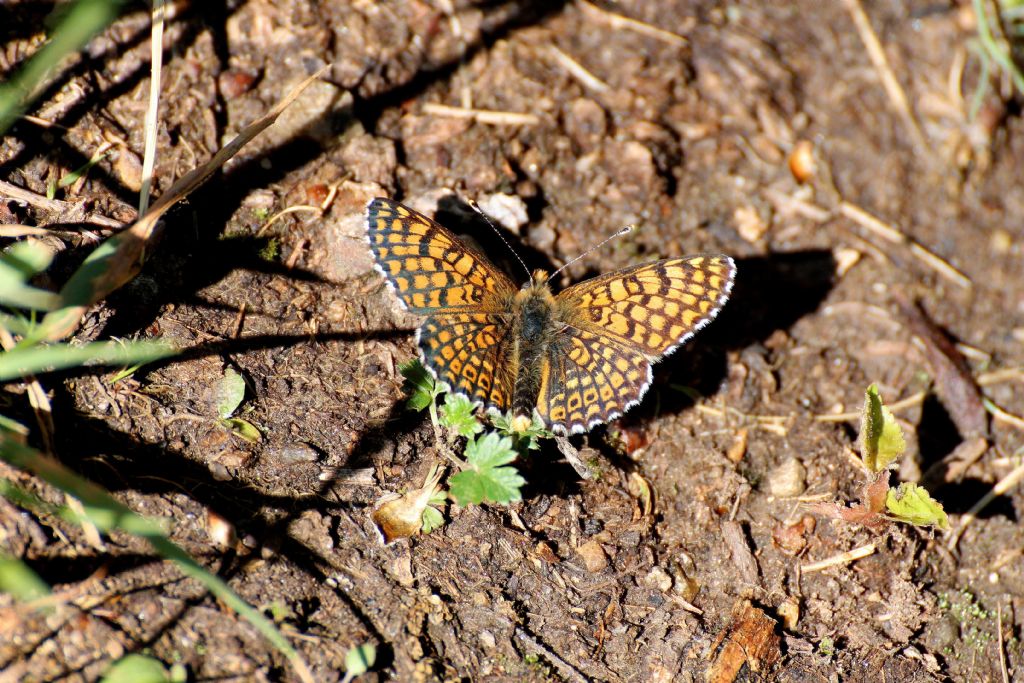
(748, 644)
(736, 540)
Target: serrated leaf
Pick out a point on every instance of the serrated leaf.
(243, 429)
(459, 415)
(432, 519)
(487, 480)
(230, 393)
(881, 439)
(911, 503)
(420, 388)
(489, 451)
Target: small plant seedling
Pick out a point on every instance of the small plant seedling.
(230, 394)
(525, 440)
(458, 415)
(421, 390)
(488, 478)
(881, 445)
(270, 250)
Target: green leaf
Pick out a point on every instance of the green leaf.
(432, 519)
(912, 504)
(358, 660)
(135, 668)
(73, 177)
(524, 441)
(18, 579)
(486, 480)
(79, 22)
(29, 360)
(881, 439)
(243, 429)
(459, 415)
(420, 388)
(26, 258)
(17, 264)
(106, 512)
(230, 393)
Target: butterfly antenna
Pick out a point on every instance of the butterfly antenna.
(476, 207)
(606, 240)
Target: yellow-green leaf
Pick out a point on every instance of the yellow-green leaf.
(910, 503)
(881, 439)
(243, 429)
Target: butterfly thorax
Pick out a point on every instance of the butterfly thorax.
(535, 324)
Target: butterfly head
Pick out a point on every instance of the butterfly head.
(539, 278)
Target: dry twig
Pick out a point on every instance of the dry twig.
(499, 118)
(891, 234)
(576, 70)
(156, 60)
(618, 21)
(892, 86)
(842, 558)
(1001, 487)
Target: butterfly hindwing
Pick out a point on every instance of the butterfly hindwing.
(588, 379)
(470, 353)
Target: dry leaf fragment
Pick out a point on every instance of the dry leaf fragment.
(401, 516)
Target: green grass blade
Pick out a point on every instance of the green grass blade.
(22, 360)
(107, 513)
(79, 24)
(18, 579)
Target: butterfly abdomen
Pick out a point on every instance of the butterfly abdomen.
(534, 333)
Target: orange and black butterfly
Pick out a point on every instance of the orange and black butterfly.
(575, 359)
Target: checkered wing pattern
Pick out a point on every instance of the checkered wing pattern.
(465, 298)
(589, 378)
(470, 353)
(428, 267)
(653, 307)
(617, 325)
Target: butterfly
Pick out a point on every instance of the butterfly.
(575, 359)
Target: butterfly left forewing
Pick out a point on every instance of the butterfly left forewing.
(463, 340)
(428, 267)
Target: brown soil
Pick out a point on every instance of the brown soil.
(687, 139)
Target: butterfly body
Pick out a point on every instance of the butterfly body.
(574, 359)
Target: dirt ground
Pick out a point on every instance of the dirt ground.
(690, 134)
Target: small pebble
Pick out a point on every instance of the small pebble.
(593, 556)
(787, 480)
(658, 578)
